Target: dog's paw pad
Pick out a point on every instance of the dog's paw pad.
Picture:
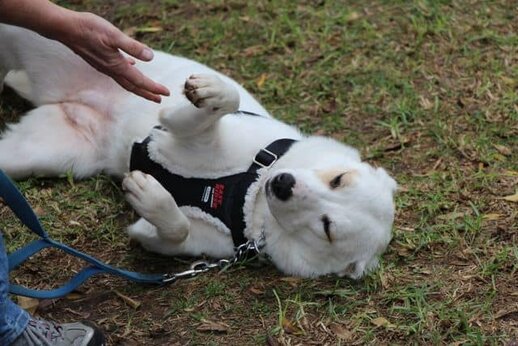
(191, 92)
(146, 194)
(209, 91)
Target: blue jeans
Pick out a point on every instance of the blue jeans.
(13, 319)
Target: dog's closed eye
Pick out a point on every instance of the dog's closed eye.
(327, 227)
(337, 181)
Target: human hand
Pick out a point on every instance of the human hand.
(98, 42)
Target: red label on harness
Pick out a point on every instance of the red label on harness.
(217, 196)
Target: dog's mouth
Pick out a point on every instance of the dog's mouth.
(268, 188)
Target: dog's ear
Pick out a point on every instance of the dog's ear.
(355, 270)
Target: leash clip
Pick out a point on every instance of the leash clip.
(198, 267)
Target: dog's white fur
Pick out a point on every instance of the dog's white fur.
(85, 123)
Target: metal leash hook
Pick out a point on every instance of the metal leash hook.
(204, 266)
(195, 269)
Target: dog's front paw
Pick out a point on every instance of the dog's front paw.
(155, 204)
(209, 91)
(147, 196)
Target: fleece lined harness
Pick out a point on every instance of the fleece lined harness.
(223, 197)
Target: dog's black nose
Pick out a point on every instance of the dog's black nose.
(282, 186)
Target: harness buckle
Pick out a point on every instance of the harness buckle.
(270, 158)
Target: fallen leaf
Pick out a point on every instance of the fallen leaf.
(75, 296)
(260, 81)
(256, 291)
(290, 328)
(512, 198)
(131, 302)
(211, 326)
(382, 322)
(28, 304)
(492, 217)
(403, 251)
(502, 149)
(352, 16)
(507, 80)
(252, 50)
(384, 280)
(341, 332)
(425, 103)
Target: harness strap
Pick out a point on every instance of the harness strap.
(267, 156)
(21, 208)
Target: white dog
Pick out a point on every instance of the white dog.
(313, 204)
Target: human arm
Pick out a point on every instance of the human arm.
(91, 37)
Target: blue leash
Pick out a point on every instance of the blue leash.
(21, 208)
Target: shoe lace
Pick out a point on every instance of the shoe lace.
(48, 330)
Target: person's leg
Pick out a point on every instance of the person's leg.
(13, 319)
(18, 328)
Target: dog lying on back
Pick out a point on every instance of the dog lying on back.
(218, 171)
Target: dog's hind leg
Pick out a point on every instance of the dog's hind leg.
(51, 140)
(212, 98)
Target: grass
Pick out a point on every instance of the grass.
(427, 89)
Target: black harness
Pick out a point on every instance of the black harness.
(223, 197)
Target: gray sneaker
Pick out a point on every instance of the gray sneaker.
(42, 332)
